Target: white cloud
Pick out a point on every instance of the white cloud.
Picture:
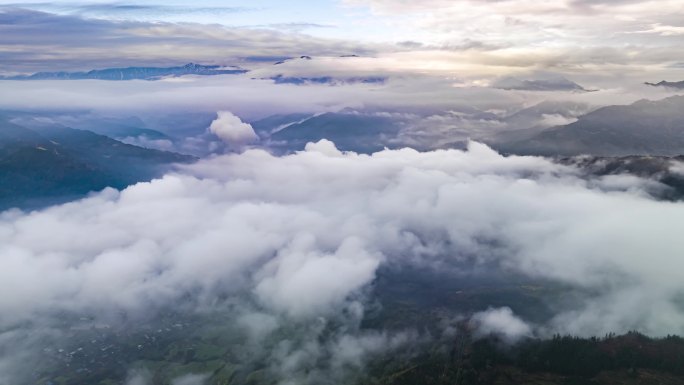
(557, 34)
(677, 167)
(38, 41)
(190, 379)
(501, 322)
(313, 229)
(138, 378)
(664, 30)
(450, 38)
(298, 239)
(233, 131)
(301, 282)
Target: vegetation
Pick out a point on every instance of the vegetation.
(565, 360)
(56, 164)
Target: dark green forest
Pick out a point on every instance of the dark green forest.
(632, 358)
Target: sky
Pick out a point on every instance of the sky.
(229, 13)
(616, 38)
(324, 18)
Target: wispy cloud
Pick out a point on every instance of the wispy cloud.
(663, 30)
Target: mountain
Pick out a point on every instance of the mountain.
(283, 61)
(349, 132)
(667, 171)
(329, 80)
(678, 85)
(55, 164)
(528, 122)
(333, 80)
(131, 73)
(643, 128)
(266, 126)
(119, 128)
(551, 84)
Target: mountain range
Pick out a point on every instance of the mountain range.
(133, 73)
(664, 170)
(329, 80)
(47, 157)
(551, 84)
(642, 128)
(678, 85)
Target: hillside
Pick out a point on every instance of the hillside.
(54, 164)
(643, 128)
(630, 359)
(349, 132)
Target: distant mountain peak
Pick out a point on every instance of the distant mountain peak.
(557, 83)
(664, 83)
(302, 57)
(328, 80)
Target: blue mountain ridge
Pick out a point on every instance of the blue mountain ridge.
(133, 73)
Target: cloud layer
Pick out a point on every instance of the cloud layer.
(35, 41)
(465, 38)
(304, 232)
(298, 239)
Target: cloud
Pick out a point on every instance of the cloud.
(664, 30)
(233, 131)
(144, 378)
(548, 33)
(316, 215)
(297, 242)
(677, 167)
(464, 38)
(301, 285)
(510, 6)
(35, 41)
(252, 99)
(143, 141)
(494, 39)
(501, 322)
(138, 378)
(191, 379)
(298, 27)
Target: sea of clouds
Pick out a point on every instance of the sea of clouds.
(298, 239)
